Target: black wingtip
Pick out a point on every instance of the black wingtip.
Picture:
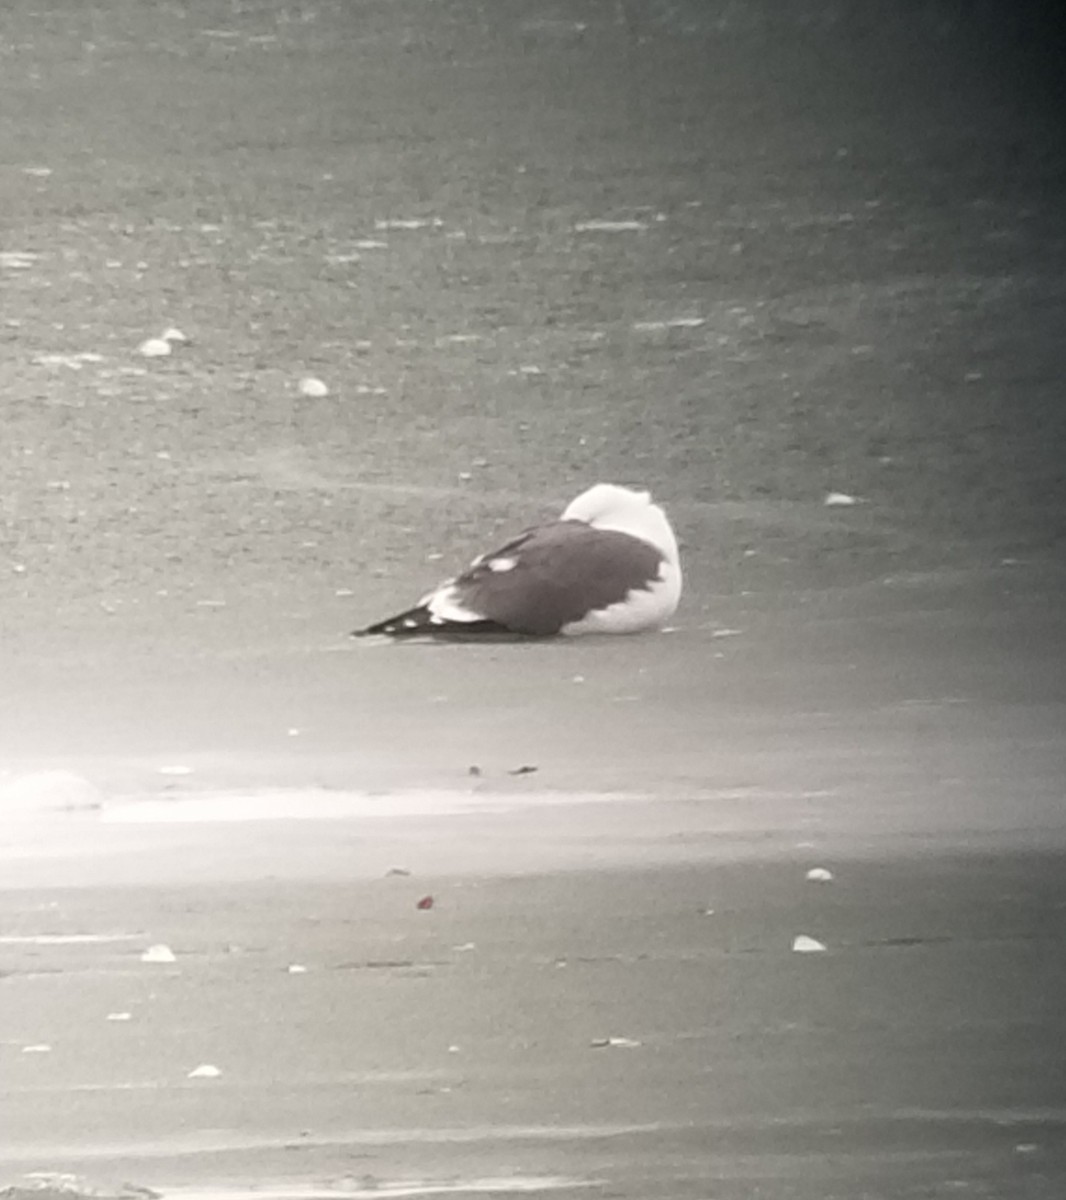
(406, 624)
(414, 624)
(382, 628)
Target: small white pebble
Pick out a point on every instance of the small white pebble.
(466, 946)
(819, 875)
(37, 1048)
(293, 732)
(807, 945)
(155, 348)
(578, 679)
(839, 500)
(313, 388)
(119, 1016)
(621, 1042)
(453, 1049)
(603, 226)
(158, 953)
(297, 969)
(174, 769)
(205, 1071)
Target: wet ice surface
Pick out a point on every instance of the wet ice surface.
(470, 976)
(633, 1030)
(294, 804)
(66, 1186)
(902, 716)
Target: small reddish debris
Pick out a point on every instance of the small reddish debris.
(425, 903)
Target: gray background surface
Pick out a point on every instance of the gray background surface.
(841, 269)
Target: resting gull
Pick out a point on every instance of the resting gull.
(609, 564)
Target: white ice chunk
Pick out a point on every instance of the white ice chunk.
(44, 791)
(159, 953)
(807, 945)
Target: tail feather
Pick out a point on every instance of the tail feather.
(420, 622)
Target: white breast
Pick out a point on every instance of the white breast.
(643, 608)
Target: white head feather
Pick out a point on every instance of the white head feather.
(609, 506)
